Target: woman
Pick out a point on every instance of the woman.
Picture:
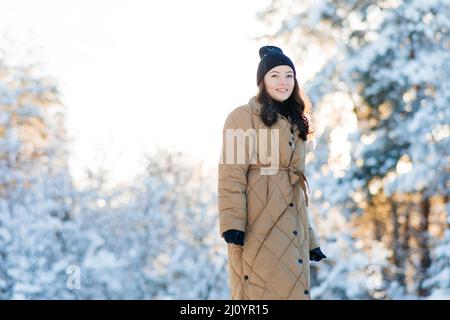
(263, 197)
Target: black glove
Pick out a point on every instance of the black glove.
(316, 255)
(234, 236)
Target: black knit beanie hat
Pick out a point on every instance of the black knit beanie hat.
(271, 57)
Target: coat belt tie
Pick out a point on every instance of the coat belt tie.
(295, 176)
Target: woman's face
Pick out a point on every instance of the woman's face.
(279, 82)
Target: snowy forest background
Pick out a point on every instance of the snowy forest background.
(379, 173)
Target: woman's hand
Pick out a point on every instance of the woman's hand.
(234, 236)
(316, 255)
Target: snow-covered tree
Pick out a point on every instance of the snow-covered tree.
(35, 186)
(438, 282)
(198, 258)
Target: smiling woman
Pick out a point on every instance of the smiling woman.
(279, 83)
(263, 216)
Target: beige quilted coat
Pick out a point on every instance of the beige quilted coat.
(271, 210)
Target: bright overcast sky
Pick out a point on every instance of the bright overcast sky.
(139, 74)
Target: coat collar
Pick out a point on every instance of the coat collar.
(255, 105)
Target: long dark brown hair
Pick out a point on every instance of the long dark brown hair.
(293, 109)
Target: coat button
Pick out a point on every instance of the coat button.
(290, 143)
(291, 204)
(295, 232)
(292, 130)
(300, 261)
(306, 291)
(246, 277)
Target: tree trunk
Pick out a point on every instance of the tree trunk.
(405, 239)
(424, 250)
(397, 246)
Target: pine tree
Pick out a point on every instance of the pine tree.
(35, 186)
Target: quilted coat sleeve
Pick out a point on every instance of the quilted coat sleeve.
(232, 177)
